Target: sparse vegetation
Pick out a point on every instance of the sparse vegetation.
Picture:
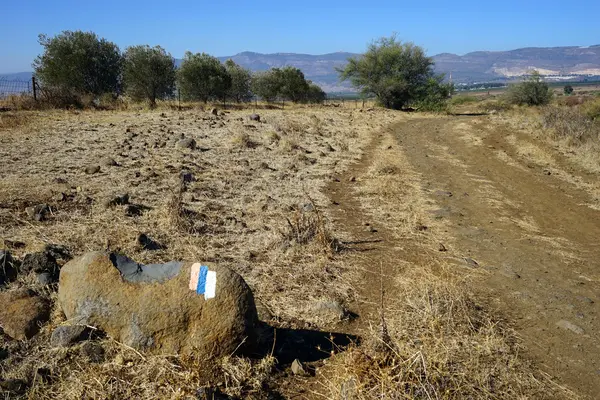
(148, 73)
(76, 63)
(532, 92)
(398, 74)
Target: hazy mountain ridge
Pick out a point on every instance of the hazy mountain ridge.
(557, 63)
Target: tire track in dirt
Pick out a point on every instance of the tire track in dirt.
(534, 240)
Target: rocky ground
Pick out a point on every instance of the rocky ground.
(239, 188)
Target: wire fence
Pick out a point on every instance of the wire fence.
(15, 88)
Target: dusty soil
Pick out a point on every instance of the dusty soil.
(517, 217)
(416, 202)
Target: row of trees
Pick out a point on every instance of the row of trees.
(76, 63)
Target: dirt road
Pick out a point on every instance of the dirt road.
(517, 217)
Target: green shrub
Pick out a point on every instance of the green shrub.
(532, 92)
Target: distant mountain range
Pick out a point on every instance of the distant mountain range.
(556, 63)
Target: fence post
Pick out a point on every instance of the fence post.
(34, 88)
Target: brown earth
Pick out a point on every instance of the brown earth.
(513, 214)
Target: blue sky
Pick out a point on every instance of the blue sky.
(314, 27)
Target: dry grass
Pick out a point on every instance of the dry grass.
(435, 339)
(232, 210)
(443, 345)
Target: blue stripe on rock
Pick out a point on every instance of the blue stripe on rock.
(202, 280)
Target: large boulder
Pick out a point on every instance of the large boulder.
(22, 312)
(172, 308)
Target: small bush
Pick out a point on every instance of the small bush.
(570, 123)
(532, 92)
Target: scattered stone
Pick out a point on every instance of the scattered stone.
(59, 197)
(308, 207)
(94, 352)
(21, 313)
(109, 162)
(421, 227)
(470, 262)
(331, 311)
(39, 262)
(92, 169)
(186, 176)
(15, 386)
(39, 212)
(352, 179)
(187, 143)
(3, 354)
(45, 278)
(214, 111)
(441, 247)
(118, 200)
(547, 172)
(443, 193)
(254, 117)
(564, 324)
(147, 243)
(135, 210)
(12, 244)
(298, 368)
(152, 307)
(66, 335)
(330, 148)
(8, 267)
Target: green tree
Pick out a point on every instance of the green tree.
(532, 92)
(315, 94)
(202, 77)
(241, 80)
(148, 73)
(294, 86)
(79, 62)
(398, 74)
(568, 89)
(267, 84)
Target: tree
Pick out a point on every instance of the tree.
(148, 73)
(532, 92)
(202, 77)
(267, 84)
(293, 84)
(79, 62)
(315, 94)
(568, 89)
(398, 74)
(241, 80)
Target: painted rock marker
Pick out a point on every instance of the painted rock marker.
(203, 281)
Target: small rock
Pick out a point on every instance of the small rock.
(187, 143)
(470, 262)
(40, 262)
(298, 368)
(118, 200)
(45, 278)
(331, 311)
(109, 162)
(186, 176)
(135, 210)
(214, 111)
(94, 352)
(16, 386)
(38, 212)
(308, 207)
(564, 324)
(92, 169)
(352, 179)
(3, 354)
(254, 117)
(8, 268)
(147, 243)
(66, 335)
(21, 313)
(59, 197)
(441, 247)
(330, 148)
(443, 193)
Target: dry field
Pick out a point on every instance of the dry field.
(340, 219)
